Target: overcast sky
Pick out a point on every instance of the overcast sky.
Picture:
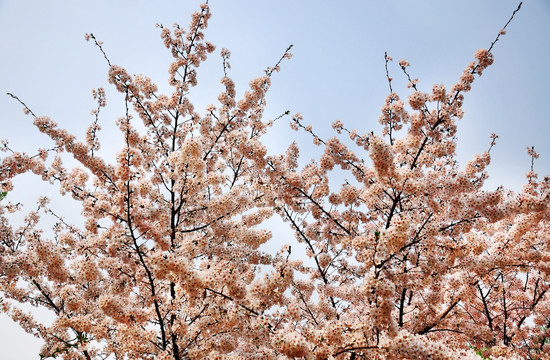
(337, 71)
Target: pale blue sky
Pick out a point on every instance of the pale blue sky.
(337, 71)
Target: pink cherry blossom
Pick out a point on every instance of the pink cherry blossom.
(410, 257)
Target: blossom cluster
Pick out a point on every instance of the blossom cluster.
(410, 258)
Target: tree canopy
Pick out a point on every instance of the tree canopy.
(410, 257)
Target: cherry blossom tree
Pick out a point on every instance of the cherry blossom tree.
(410, 258)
